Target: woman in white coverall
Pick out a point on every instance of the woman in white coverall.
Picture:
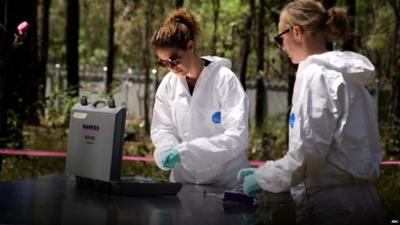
(334, 151)
(200, 116)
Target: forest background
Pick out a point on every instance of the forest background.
(72, 42)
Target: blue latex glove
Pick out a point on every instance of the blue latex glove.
(245, 172)
(250, 185)
(171, 158)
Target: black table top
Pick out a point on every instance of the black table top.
(54, 199)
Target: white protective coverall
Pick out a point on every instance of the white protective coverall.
(334, 151)
(209, 129)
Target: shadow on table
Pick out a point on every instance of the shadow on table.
(88, 207)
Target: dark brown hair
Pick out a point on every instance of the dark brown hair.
(311, 15)
(178, 28)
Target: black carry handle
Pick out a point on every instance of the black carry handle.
(95, 103)
(110, 103)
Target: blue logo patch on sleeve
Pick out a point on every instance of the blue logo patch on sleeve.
(216, 117)
(292, 119)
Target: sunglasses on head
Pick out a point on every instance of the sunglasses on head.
(171, 62)
(279, 39)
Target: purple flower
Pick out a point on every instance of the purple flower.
(22, 27)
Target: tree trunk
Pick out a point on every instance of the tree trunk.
(179, 3)
(30, 80)
(397, 61)
(329, 4)
(216, 6)
(110, 56)
(146, 64)
(17, 56)
(245, 45)
(72, 38)
(35, 102)
(291, 81)
(348, 44)
(394, 61)
(31, 77)
(260, 91)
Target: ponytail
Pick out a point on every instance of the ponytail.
(338, 24)
(312, 15)
(177, 30)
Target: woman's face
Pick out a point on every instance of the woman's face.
(291, 41)
(176, 60)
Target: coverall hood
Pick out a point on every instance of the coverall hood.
(351, 65)
(219, 61)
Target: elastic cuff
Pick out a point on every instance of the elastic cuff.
(181, 148)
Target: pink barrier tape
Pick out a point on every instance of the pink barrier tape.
(30, 152)
(390, 162)
(138, 158)
(256, 162)
(386, 162)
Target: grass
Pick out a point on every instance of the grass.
(388, 187)
(21, 167)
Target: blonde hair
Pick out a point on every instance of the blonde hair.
(311, 15)
(178, 28)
